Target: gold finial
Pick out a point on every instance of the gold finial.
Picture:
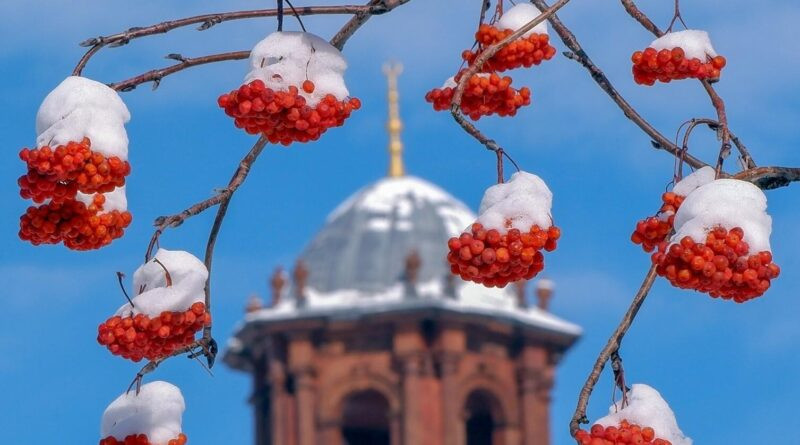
(394, 125)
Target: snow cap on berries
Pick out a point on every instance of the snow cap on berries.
(187, 273)
(156, 412)
(695, 44)
(726, 203)
(521, 203)
(697, 178)
(81, 107)
(646, 407)
(518, 16)
(289, 58)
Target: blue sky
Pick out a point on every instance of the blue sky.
(729, 371)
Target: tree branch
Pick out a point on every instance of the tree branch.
(716, 100)
(209, 20)
(610, 349)
(579, 55)
(486, 54)
(156, 75)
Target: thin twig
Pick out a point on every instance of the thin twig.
(486, 54)
(207, 21)
(579, 55)
(611, 347)
(156, 75)
(120, 277)
(716, 100)
(352, 25)
(296, 15)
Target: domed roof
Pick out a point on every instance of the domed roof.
(365, 241)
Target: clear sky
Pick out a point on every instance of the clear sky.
(729, 371)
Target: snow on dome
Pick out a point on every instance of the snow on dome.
(646, 407)
(115, 200)
(695, 44)
(520, 203)
(727, 203)
(697, 178)
(399, 196)
(156, 412)
(289, 58)
(545, 284)
(188, 275)
(81, 107)
(518, 16)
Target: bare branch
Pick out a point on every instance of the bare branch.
(768, 178)
(579, 55)
(209, 20)
(186, 62)
(716, 100)
(611, 348)
(378, 7)
(455, 107)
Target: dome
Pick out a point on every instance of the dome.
(366, 240)
(361, 251)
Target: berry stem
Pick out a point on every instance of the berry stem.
(120, 276)
(167, 276)
(611, 348)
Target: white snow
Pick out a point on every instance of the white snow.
(727, 203)
(695, 44)
(451, 81)
(289, 58)
(156, 411)
(545, 284)
(518, 16)
(188, 275)
(395, 198)
(646, 407)
(520, 203)
(81, 107)
(115, 200)
(470, 298)
(697, 178)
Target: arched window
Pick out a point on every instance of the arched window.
(481, 418)
(365, 418)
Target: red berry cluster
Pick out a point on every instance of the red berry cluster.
(651, 231)
(141, 439)
(483, 96)
(523, 52)
(284, 116)
(140, 336)
(78, 226)
(666, 65)
(494, 260)
(625, 433)
(721, 267)
(59, 173)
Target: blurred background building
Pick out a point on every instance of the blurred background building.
(369, 340)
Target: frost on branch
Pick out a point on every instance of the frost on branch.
(151, 417)
(167, 311)
(294, 91)
(504, 245)
(653, 230)
(721, 242)
(677, 55)
(647, 418)
(77, 170)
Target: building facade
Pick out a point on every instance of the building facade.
(372, 341)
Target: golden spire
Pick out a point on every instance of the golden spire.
(394, 125)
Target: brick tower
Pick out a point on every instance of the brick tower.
(371, 341)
